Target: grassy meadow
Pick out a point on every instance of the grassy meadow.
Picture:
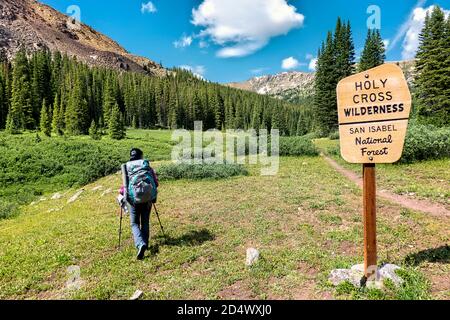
(305, 221)
(428, 179)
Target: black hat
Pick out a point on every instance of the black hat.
(136, 154)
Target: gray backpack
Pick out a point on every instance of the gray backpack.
(141, 184)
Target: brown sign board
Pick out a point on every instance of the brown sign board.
(373, 111)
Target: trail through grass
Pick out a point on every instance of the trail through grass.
(424, 179)
(305, 221)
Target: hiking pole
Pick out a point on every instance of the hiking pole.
(123, 204)
(120, 225)
(160, 224)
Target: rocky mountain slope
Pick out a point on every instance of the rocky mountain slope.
(287, 85)
(297, 86)
(35, 26)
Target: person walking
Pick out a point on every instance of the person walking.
(140, 190)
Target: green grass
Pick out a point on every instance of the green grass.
(200, 171)
(414, 287)
(424, 179)
(31, 169)
(210, 224)
(305, 221)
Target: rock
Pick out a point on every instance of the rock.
(57, 196)
(43, 199)
(107, 191)
(338, 276)
(358, 267)
(33, 203)
(252, 256)
(355, 276)
(388, 271)
(75, 196)
(74, 282)
(136, 295)
(97, 188)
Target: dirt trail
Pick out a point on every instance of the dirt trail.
(413, 204)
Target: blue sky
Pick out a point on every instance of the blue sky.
(233, 40)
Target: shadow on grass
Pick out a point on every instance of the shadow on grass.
(437, 255)
(191, 238)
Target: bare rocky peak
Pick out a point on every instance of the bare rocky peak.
(278, 85)
(36, 26)
(294, 84)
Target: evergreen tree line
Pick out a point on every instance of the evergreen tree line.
(336, 60)
(58, 94)
(431, 88)
(432, 82)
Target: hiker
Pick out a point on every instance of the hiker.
(140, 192)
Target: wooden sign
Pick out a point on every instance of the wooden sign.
(373, 110)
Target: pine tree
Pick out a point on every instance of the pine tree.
(108, 101)
(325, 85)
(432, 82)
(3, 101)
(345, 50)
(256, 119)
(173, 109)
(116, 126)
(58, 117)
(77, 111)
(93, 131)
(5, 86)
(41, 81)
(374, 52)
(20, 115)
(336, 60)
(218, 110)
(45, 121)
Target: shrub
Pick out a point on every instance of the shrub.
(30, 169)
(426, 142)
(297, 146)
(334, 135)
(7, 209)
(200, 171)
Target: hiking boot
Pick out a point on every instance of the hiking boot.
(141, 252)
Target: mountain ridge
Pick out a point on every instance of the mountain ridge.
(296, 86)
(36, 26)
(289, 85)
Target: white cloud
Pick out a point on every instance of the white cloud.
(290, 63)
(184, 41)
(198, 71)
(411, 42)
(404, 27)
(312, 64)
(148, 7)
(243, 27)
(410, 30)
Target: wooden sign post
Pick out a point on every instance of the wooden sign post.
(373, 110)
